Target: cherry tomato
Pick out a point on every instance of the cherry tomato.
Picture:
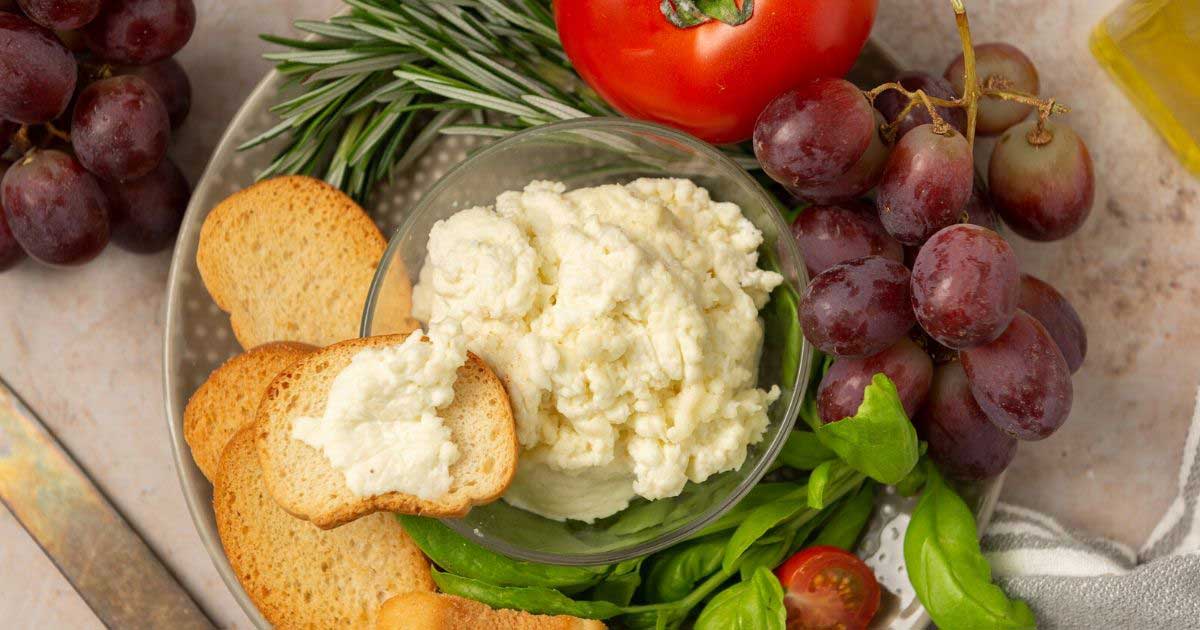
(828, 588)
(710, 80)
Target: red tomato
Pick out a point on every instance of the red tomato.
(828, 588)
(710, 80)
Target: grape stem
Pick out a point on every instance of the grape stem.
(973, 91)
(21, 140)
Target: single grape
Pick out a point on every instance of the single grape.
(1021, 380)
(925, 185)
(962, 441)
(829, 235)
(841, 390)
(1045, 304)
(171, 84)
(146, 212)
(61, 15)
(1009, 69)
(891, 103)
(55, 208)
(857, 181)
(814, 133)
(141, 32)
(120, 128)
(37, 73)
(857, 308)
(979, 210)
(965, 286)
(10, 250)
(1043, 192)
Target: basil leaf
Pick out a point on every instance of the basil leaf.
(755, 604)
(803, 450)
(878, 441)
(761, 520)
(674, 573)
(848, 520)
(537, 600)
(759, 495)
(948, 571)
(767, 554)
(620, 586)
(781, 321)
(911, 484)
(818, 481)
(463, 557)
(641, 517)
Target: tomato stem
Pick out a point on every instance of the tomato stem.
(691, 13)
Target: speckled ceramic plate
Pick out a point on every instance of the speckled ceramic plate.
(198, 337)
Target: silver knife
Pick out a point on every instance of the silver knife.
(108, 563)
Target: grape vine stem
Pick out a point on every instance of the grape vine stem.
(973, 91)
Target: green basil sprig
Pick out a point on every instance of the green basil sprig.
(878, 441)
(754, 604)
(534, 599)
(759, 495)
(674, 573)
(460, 556)
(803, 450)
(847, 522)
(621, 585)
(951, 576)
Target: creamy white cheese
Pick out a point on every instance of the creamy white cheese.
(624, 322)
(380, 426)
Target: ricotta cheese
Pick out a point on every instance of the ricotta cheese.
(381, 427)
(624, 322)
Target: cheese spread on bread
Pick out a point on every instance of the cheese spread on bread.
(380, 426)
(624, 323)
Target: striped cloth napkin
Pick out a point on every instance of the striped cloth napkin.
(1076, 582)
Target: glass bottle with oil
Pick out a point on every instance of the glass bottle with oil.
(1152, 49)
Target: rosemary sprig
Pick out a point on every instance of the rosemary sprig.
(373, 90)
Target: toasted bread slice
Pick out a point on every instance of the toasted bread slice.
(228, 400)
(434, 611)
(304, 483)
(300, 576)
(290, 259)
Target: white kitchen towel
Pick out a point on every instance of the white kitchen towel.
(1073, 582)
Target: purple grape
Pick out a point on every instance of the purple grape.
(925, 185)
(171, 84)
(841, 390)
(141, 32)
(1021, 380)
(55, 208)
(965, 286)
(891, 103)
(10, 250)
(37, 73)
(1045, 304)
(61, 15)
(962, 441)
(857, 308)
(857, 181)
(815, 133)
(1043, 192)
(146, 212)
(829, 235)
(120, 128)
(1005, 63)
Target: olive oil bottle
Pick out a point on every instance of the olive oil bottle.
(1152, 50)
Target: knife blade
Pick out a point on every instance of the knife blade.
(105, 560)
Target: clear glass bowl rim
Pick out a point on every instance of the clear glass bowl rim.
(782, 230)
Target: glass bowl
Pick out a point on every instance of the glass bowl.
(590, 152)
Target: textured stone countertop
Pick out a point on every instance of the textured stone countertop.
(84, 346)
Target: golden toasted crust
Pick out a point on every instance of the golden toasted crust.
(434, 611)
(300, 576)
(228, 400)
(305, 484)
(290, 259)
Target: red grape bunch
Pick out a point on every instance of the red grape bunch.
(917, 283)
(89, 95)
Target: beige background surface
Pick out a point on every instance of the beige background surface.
(83, 346)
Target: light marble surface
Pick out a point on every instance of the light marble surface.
(83, 346)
